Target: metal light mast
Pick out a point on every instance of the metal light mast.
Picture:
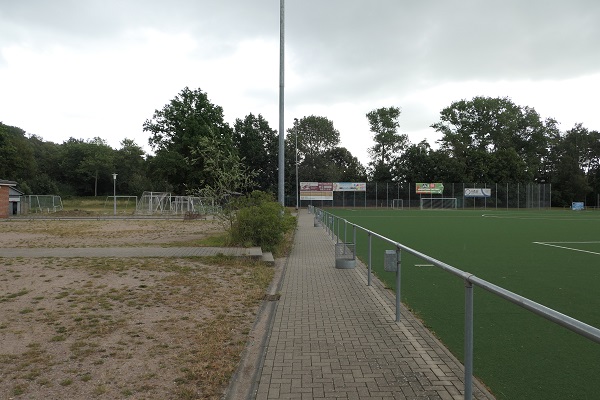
(281, 196)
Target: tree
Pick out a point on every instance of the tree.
(225, 176)
(84, 162)
(97, 162)
(343, 166)
(179, 130)
(314, 136)
(389, 143)
(472, 131)
(258, 146)
(131, 168)
(17, 160)
(569, 180)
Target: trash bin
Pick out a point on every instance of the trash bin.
(317, 222)
(345, 255)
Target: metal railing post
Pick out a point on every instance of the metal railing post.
(332, 230)
(398, 263)
(468, 340)
(336, 233)
(370, 247)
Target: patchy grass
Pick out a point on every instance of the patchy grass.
(178, 325)
(108, 233)
(82, 328)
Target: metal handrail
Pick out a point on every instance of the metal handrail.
(570, 323)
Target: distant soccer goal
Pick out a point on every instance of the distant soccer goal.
(164, 203)
(436, 203)
(398, 204)
(41, 203)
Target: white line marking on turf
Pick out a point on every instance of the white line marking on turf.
(568, 248)
(568, 242)
(537, 217)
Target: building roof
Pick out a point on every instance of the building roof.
(12, 191)
(4, 182)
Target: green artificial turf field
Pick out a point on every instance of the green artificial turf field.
(551, 257)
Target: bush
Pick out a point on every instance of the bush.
(261, 222)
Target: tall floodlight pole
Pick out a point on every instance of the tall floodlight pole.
(281, 195)
(114, 194)
(297, 186)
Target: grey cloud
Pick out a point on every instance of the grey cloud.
(443, 41)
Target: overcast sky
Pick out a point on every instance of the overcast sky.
(87, 68)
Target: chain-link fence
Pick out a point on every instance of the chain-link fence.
(404, 195)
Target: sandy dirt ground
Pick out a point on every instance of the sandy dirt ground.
(114, 328)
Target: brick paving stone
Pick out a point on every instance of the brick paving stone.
(336, 337)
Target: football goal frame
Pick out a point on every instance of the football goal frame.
(397, 204)
(439, 203)
(41, 203)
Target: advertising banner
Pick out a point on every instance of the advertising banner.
(316, 191)
(577, 206)
(349, 186)
(478, 192)
(430, 188)
(316, 186)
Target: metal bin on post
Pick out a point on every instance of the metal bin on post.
(345, 255)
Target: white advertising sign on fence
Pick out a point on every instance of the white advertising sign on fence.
(316, 191)
(350, 186)
(478, 192)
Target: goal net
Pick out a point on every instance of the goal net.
(165, 203)
(435, 203)
(398, 204)
(41, 203)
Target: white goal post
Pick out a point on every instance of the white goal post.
(437, 203)
(398, 204)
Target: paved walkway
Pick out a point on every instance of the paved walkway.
(333, 336)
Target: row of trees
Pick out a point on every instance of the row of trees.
(484, 140)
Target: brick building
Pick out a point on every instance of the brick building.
(5, 209)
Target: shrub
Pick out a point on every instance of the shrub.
(261, 222)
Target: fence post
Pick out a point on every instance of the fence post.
(333, 233)
(468, 340)
(345, 238)
(398, 263)
(369, 274)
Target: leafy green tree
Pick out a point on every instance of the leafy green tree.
(569, 179)
(484, 131)
(389, 144)
(47, 179)
(179, 130)
(130, 166)
(17, 160)
(224, 172)
(342, 166)
(258, 146)
(87, 166)
(97, 163)
(420, 163)
(315, 137)
(226, 177)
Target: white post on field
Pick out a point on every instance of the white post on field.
(114, 194)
